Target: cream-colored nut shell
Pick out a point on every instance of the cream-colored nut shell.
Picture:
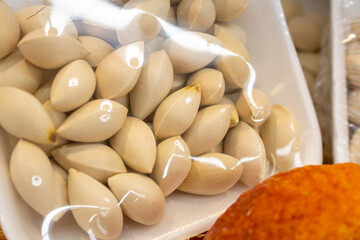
(43, 92)
(354, 106)
(318, 19)
(100, 213)
(309, 62)
(231, 41)
(23, 116)
(177, 112)
(281, 137)
(141, 198)
(39, 16)
(178, 82)
(232, 64)
(57, 118)
(212, 85)
(191, 51)
(212, 174)
(95, 121)
(97, 47)
(253, 106)
(135, 143)
(208, 129)
(355, 147)
(217, 149)
(9, 30)
(234, 114)
(46, 49)
(32, 176)
(140, 20)
(172, 165)
(124, 100)
(96, 160)
(228, 28)
(153, 86)
(244, 143)
(227, 10)
(196, 15)
(305, 33)
(291, 8)
(16, 71)
(73, 86)
(118, 72)
(60, 189)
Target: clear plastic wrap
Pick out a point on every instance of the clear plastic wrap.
(345, 37)
(110, 144)
(308, 24)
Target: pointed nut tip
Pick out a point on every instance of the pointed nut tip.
(109, 180)
(233, 122)
(148, 169)
(196, 88)
(52, 135)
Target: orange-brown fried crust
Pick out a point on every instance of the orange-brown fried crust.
(308, 203)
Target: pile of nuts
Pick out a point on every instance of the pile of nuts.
(306, 29)
(117, 130)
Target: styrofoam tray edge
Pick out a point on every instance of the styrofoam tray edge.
(339, 90)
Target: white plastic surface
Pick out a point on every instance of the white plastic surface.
(278, 74)
(342, 12)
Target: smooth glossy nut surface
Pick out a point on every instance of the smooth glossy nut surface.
(281, 136)
(95, 121)
(172, 165)
(25, 117)
(147, 209)
(16, 71)
(212, 174)
(9, 30)
(196, 15)
(46, 49)
(227, 10)
(305, 33)
(34, 17)
(99, 213)
(212, 85)
(135, 143)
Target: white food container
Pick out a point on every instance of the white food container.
(342, 12)
(278, 74)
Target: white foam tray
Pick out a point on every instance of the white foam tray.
(278, 74)
(342, 11)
